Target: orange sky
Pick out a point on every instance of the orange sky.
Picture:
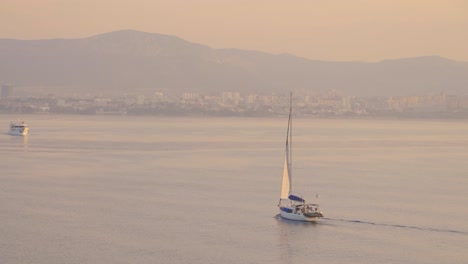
(339, 30)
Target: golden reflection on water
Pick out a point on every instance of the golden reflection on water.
(25, 143)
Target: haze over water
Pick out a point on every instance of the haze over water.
(123, 189)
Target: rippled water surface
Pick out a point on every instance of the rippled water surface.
(120, 189)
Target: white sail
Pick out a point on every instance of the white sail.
(286, 183)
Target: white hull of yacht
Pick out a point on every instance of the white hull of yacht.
(298, 217)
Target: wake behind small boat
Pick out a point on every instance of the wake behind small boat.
(293, 207)
(18, 129)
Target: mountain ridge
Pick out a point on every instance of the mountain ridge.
(131, 61)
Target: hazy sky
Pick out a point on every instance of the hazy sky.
(340, 30)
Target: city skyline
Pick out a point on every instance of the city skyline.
(233, 103)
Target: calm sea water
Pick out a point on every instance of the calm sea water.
(83, 189)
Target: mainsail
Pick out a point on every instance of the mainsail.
(286, 183)
(287, 173)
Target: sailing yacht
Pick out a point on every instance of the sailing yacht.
(291, 206)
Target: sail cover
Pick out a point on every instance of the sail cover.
(295, 198)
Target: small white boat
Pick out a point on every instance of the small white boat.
(291, 206)
(18, 129)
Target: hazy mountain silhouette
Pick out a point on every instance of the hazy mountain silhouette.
(136, 62)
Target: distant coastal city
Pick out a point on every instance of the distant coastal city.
(328, 105)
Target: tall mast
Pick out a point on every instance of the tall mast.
(290, 135)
